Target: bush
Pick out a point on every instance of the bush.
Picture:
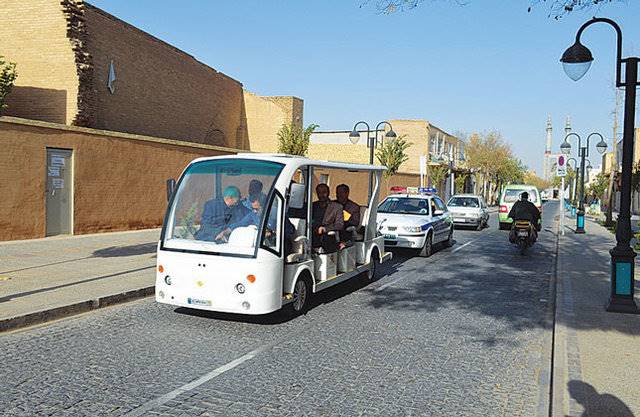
(8, 75)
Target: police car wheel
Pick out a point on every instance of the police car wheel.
(449, 242)
(427, 248)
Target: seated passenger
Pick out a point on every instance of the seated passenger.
(351, 213)
(252, 218)
(255, 190)
(326, 217)
(219, 212)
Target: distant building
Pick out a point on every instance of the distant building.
(436, 146)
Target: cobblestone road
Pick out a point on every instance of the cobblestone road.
(463, 333)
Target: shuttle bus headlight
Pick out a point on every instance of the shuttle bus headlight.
(167, 280)
(240, 288)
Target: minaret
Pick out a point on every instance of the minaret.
(547, 152)
(567, 126)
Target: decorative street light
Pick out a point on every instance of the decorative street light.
(576, 62)
(583, 152)
(372, 142)
(575, 179)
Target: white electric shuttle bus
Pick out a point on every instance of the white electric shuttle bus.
(237, 235)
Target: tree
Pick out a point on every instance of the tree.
(437, 174)
(460, 181)
(531, 178)
(493, 161)
(392, 154)
(294, 140)
(598, 187)
(557, 8)
(8, 75)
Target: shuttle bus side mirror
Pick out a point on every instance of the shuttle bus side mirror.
(296, 195)
(171, 187)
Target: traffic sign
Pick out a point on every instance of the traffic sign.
(561, 166)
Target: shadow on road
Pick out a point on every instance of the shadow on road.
(284, 315)
(130, 250)
(595, 404)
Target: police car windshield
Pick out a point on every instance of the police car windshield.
(404, 205)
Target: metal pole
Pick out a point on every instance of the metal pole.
(562, 208)
(370, 142)
(580, 213)
(622, 256)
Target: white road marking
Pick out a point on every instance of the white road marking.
(148, 406)
(466, 244)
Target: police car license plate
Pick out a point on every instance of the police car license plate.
(523, 233)
(389, 236)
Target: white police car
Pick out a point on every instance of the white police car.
(415, 218)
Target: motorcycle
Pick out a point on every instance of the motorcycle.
(523, 235)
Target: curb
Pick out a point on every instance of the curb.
(39, 317)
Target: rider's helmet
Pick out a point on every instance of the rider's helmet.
(524, 196)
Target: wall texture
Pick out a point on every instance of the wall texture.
(266, 115)
(34, 35)
(64, 50)
(119, 179)
(159, 90)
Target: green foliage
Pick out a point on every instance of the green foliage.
(533, 179)
(460, 181)
(437, 174)
(187, 223)
(392, 154)
(294, 140)
(599, 186)
(8, 75)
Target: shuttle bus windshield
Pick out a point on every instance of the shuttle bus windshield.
(221, 206)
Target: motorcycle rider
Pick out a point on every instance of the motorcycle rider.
(524, 209)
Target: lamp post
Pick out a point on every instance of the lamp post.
(576, 62)
(372, 142)
(583, 152)
(572, 197)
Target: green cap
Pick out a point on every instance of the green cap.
(232, 191)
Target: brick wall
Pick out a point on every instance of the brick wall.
(159, 90)
(33, 34)
(64, 49)
(266, 115)
(119, 179)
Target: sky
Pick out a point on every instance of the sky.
(487, 65)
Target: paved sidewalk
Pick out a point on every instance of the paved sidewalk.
(596, 355)
(44, 279)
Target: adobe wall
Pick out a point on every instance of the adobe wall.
(160, 90)
(416, 132)
(34, 36)
(265, 116)
(119, 179)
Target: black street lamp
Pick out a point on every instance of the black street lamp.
(372, 142)
(583, 152)
(575, 178)
(576, 62)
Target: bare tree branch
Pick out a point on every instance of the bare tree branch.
(557, 8)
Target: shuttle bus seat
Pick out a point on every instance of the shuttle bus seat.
(300, 244)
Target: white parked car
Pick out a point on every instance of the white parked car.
(417, 220)
(469, 210)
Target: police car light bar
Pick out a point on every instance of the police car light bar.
(414, 190)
